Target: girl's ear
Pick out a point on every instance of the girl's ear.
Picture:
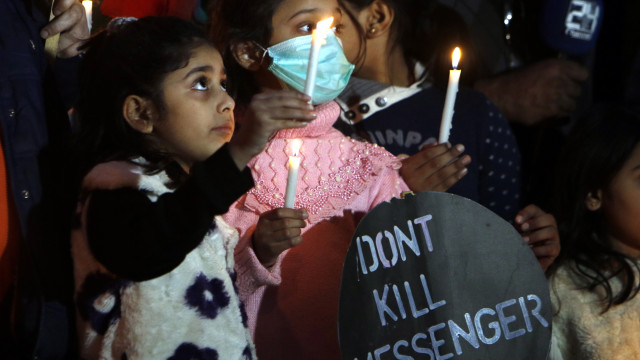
(379, 19)
(140, 113)
(593, 200)
(248, 54)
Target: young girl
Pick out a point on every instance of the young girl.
(154, 275)
(595, 280)
(392, 101)
(292, 294)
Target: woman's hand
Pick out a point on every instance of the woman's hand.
(70, 22)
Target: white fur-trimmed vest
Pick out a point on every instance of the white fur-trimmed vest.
(581, 330)
(192, 312)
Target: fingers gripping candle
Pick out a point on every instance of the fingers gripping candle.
(450, 99)
(292, 176)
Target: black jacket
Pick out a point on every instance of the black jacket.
(34, 100)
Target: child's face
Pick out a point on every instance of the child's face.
(295, 18)
(199, 113)
(621, 206)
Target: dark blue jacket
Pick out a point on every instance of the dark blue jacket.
(408, 120)
(35, 132)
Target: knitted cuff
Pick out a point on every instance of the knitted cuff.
(252, 274)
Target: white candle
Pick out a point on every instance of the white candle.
(51, 44)
(318, 37)
(292, 176)
(88, 9)
(450, 99)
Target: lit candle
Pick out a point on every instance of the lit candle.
(318, 37)
(88, 9)
(292, 177)
(450, 99)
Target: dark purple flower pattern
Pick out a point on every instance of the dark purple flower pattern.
(94, 286)
(243, 314)
(233, 275)
(189, 351)
(208, 297)
(246, 354)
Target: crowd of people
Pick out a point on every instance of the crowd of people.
(140, 158)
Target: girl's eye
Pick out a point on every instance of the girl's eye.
(338, 29)
(223, 85)
(307, 28)
(202, 84)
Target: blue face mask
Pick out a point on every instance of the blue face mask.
(291, 59)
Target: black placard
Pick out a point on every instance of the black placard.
(438, 276)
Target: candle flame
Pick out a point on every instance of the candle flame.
(87, 5)
(324, 25)
(455, 57)
(295, 146)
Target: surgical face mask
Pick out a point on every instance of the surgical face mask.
(291, 59)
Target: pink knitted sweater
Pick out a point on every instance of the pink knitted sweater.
(292, 307)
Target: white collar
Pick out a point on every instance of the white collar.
(380, 99)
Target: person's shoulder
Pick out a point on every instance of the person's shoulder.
(564, 291)
(474, 100)
(365, 157)
(470, 104)
(561, 277)
(365, 150)
(566, 283)
(484, 115)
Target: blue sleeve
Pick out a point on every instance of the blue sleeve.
(499, 169)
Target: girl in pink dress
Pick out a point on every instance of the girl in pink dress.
(289, 265)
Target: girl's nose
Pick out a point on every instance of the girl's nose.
(226, 104)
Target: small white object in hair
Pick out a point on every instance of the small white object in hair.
(116, 23)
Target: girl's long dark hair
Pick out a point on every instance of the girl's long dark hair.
(427, 32)
(595, 152)
(239, 21)
(130, 57)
